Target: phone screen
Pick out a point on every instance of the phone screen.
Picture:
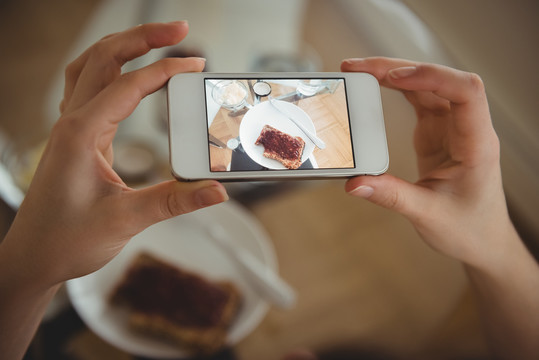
(260, 124)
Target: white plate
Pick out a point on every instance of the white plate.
(180, 240)
(265, 114)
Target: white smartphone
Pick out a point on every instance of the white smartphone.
(269, 126)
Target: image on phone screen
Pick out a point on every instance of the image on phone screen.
(261, 124)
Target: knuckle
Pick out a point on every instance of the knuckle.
(63, 105)
(397, 201)
(68, 125)
(131, 82)
(71, 69)
(492, 155)
(99, 49)
(105, 54)
(393, 200)
(108, 36)
(475, 82)
(174, 205)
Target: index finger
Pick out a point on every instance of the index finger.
(465, 91)
(120, 98)
(468, 105)
(102, 62)
(376, 66)
(456, 86)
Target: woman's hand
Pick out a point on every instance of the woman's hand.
(457, 205)
(78, 213)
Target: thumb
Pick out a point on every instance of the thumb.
(172, 198)
(390, 192)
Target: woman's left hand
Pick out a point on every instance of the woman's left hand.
(78, 213)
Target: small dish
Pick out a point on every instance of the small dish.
(230, 94)
(262, 88)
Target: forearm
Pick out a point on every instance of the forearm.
(508, 296)
(22, 305)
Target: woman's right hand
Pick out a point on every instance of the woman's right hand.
(457, 205)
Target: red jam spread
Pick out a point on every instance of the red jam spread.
(281, 144)
(179, 296)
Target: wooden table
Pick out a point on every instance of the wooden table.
(363, 276)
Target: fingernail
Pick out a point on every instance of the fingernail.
(363, 191)
(210, 195)
(179, 22)
(353, 61)
(402, 72)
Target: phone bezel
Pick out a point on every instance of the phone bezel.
(188, 138)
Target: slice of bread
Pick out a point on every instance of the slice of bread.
(176, 305)
(281, 146)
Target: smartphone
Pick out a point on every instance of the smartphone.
(273, 126)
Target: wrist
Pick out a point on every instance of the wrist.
(508, 295)
(505, 257)
(19, 271)
(23, 301)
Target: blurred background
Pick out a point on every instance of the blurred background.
(365, 280)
